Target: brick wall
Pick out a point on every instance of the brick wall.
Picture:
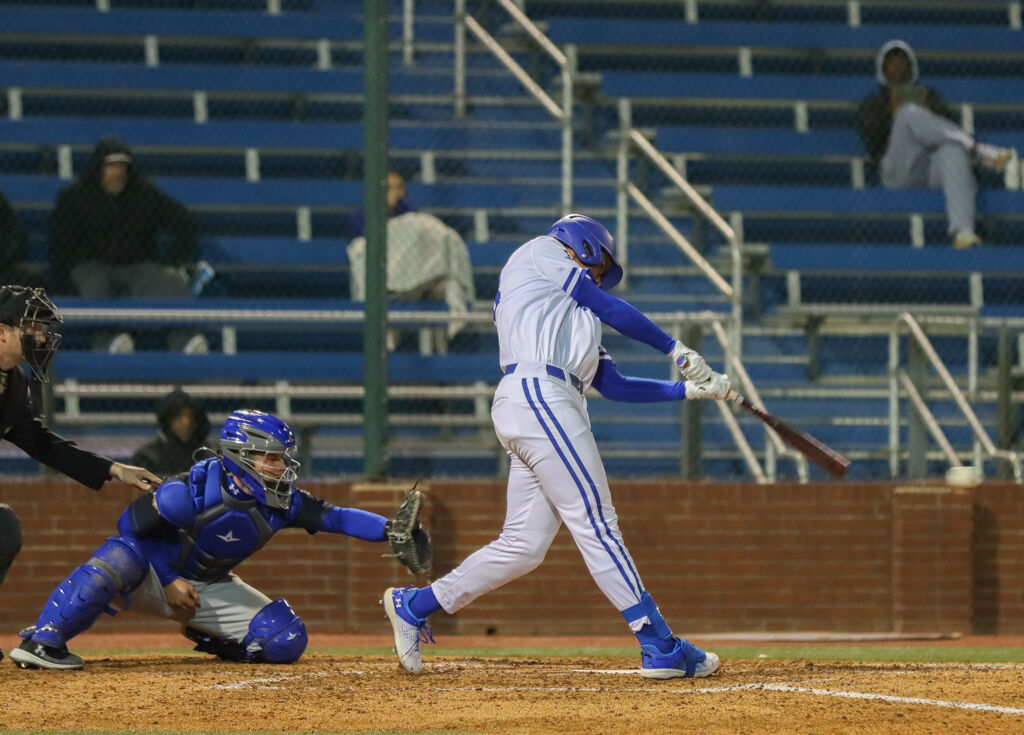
(716, 557)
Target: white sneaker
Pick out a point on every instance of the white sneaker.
(198, 345)
(122, 344)
(407, 634)
(965, 239)
(991, 156)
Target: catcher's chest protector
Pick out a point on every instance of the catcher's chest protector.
(228, 529)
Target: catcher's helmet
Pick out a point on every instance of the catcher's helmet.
(589, 239)
(34, 314)
(247, 432)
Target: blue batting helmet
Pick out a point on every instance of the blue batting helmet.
(589, 239)
(248, 432)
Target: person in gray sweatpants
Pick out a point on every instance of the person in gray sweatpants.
(909, 132)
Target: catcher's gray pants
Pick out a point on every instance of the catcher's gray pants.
(225, 606)
(928, 151)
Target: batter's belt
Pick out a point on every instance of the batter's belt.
(555, 372)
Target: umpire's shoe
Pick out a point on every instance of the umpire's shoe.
(32, 655)
(684, 660)
(409, 630)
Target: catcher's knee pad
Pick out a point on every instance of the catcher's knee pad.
(276, 634)
(115, 568)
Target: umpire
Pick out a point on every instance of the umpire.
(28, 320)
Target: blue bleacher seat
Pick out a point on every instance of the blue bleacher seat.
(679, 33)
(840, 199)
(794, 87)
(825, 257)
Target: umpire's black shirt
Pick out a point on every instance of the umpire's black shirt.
(20, 427)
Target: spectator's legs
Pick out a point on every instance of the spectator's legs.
(927, 150)
(10, 539)
(156, 280)
(951, 170)
(916, 134)
(93, 280)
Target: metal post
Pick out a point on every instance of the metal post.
(568, 72)
(622, 196)
(408, 31)
(460, 58)
(894, 400)
(917, 431)
(1008, 414)
(375, 119)
(690, 465)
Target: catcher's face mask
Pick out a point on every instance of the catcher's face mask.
(258, 450)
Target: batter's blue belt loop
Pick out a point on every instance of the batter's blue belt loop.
(554, 372)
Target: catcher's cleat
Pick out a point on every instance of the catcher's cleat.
(684, 660)
(409, 630)
(32, 655)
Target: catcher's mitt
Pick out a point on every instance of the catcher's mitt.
(409, 540)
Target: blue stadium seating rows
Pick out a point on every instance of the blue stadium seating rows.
(54, 75)
(794, 87)
(42, 190)
(661, 33)
(280, 135)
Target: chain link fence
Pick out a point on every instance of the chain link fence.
(173, 166)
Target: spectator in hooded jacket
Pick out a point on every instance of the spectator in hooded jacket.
(907, 129)
(103, 236)
(183, 426)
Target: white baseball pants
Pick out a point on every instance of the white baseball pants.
(556, 476)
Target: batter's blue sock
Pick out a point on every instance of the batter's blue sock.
(649, 636)
(424, 603)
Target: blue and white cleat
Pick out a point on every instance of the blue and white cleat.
(684, 660)
(409, 630)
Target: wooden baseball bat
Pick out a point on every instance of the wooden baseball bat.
(822, 455)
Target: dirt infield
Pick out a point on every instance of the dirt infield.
(330, 692)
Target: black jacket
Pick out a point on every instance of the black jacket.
(88, 224)
(166, 454)
(20, 427)
(874, 115)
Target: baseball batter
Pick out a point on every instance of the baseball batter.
(552, 299)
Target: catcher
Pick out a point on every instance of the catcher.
(178, 544)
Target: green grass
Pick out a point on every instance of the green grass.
(817, 652)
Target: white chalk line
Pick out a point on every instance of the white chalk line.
(787, 688)
(976, 706)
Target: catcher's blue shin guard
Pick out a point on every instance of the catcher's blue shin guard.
(115, 568)
(276, 634)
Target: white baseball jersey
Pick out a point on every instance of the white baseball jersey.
(537, 320)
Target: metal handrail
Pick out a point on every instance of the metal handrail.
(929, 419)
(958, 397)
(775, 442)
(565, 62)
(628, 135)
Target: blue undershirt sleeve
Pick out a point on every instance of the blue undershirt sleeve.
(624, 317)
(612, 384)
(353, 522)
